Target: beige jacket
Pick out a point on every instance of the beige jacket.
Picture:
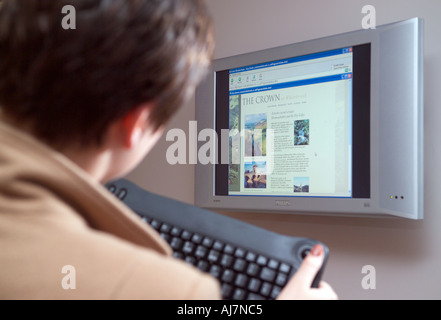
(53, 215)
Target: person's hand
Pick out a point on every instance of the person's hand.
(299, 287)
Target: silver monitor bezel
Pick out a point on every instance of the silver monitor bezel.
(388, 44)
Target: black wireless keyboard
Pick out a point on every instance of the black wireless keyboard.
(251, 263)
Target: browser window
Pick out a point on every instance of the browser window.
(291, 126)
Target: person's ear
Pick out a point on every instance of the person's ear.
(135, 124)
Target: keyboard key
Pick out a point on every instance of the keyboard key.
(146, 220)
(213, 256)
(229, 249)
(227, 291)
(201, 252)
(203, 266)
(275, 293)
(273, 264)
(178, 255)
(266, 289)
(253, 296)
(176, 244)
(253, 270)
(122, 194)
(165, 228)
(239, 265)
(191, 260)
(267, 274)
(188, 248)
(208, 242)
(175, 232)
(215, 271)
(261, 260)
(281, 279)
(239, 294)
(240, 253)
(156, 224)
(241, 280)
(197, 238)
(226, 261)
(228, 276)
(186, 235)
(254, 285)
(284, 268)
(218, 245)
(251, 257)
(166, 237)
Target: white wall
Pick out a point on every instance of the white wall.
(406, 254)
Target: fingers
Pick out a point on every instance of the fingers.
(311, 265)
(326, 291)
(299, 287)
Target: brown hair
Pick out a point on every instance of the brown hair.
(70, 85)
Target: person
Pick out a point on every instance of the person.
(80, 107)
(256, 170)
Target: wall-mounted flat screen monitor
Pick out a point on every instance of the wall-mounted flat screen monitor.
(331, 126)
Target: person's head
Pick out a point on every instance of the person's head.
(122, 73)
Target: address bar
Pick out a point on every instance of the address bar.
(328, 68)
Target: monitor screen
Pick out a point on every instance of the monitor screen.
(329, 126)
(297, 126)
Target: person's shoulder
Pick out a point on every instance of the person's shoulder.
(155, 276)
(143, 273)
(98, 265)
